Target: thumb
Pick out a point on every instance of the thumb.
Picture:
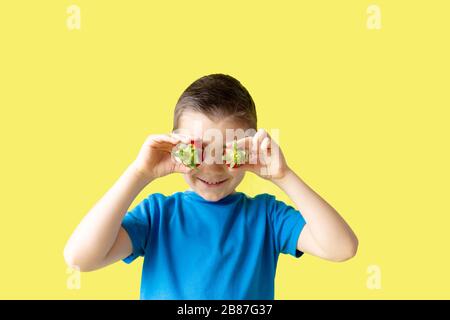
(181, 168)
(245, 167)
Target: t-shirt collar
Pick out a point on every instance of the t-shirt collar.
(227, 199)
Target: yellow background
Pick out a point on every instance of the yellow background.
(363, 116)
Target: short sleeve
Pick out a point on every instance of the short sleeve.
(137, 224)
(287, 224)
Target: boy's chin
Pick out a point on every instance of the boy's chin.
(215, 195)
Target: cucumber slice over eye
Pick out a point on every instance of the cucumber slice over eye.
(187, 154)
(235, 156)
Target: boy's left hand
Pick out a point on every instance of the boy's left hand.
(265, 157)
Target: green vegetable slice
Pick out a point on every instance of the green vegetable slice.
(187, 154)
(235, 156)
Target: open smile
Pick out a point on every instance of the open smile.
(212, 184)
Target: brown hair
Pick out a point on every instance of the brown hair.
(217, 96)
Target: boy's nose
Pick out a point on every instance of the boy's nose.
(212, 158)
(213, 167)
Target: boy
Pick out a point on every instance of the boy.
(209, 242)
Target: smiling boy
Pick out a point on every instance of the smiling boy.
(211, 241)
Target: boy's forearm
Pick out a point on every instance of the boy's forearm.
(328, 228)
(97, 232)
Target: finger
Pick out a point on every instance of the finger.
(163, 146)
(163, 139)
(259, 136)
(265, 150)
(256, 145)
(243, 143)
(265, 144)
(188, 139)
(182, 137)
(166, 142)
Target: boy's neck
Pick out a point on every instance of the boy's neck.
(234, 191)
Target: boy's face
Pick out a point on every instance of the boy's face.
(212, 181)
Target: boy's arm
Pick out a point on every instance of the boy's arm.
(325, 234)
(99, 239)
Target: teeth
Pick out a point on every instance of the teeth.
(212, 182)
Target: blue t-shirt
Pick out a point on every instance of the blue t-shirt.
(199, 249)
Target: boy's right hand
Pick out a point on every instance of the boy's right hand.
(155, 158)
